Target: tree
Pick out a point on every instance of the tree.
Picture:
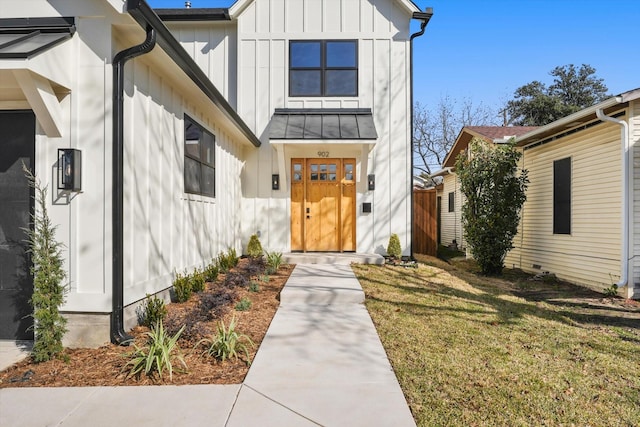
(495, 193)
(435, 130)
(48, 275)
(573, 89)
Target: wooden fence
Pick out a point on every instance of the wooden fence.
(425, 224)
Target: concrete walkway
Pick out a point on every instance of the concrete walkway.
(320, 364)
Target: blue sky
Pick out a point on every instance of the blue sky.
(483, 50)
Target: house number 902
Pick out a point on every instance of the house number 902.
(323, 154)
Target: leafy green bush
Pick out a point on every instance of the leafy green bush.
(254, 286)
(226, 343)
(153, 310)
(197, 281)
(254, 248)
(394, 250)
(611, 292)
(232, 255)
(210, 272)
(243, 305)
(274, 261)
(182, 287)
(159, 354)
(494, 191)
(48, 274)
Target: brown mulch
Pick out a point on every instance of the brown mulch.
(104, 366)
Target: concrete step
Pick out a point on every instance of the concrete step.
(322, 285)
(332, 258)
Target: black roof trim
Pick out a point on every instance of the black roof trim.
(146, 17)
(323, 111)
(194, 14)
(22, 38)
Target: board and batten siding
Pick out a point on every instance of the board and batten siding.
(167, 230)
(381, 27)
(590, 255)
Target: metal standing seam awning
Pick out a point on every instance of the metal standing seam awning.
(311, 126)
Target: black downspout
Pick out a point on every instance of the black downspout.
(118, 335)
(424, 17)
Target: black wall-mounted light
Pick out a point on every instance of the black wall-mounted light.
(275, 181)
(371, 182)
(69, 169)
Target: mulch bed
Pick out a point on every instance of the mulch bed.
(103, 366)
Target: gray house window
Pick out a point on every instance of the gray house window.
(562, 196)
(199, 159)
(452, 202)
(323, 68)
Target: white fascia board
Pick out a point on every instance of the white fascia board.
(240, 5)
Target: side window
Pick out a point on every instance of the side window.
(323, 68)
(199, 159)
(562, 196)
(452, 201)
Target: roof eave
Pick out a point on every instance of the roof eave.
(543, 131)
(146, 17)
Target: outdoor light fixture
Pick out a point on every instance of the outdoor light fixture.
(275, 181)
(69, 169)
(371, 182)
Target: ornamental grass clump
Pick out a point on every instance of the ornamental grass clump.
(254, 248)
(274, 261)
(48, 275)
(225, 343)
(161, 353)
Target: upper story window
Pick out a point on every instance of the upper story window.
(323, 68)
(199, 159)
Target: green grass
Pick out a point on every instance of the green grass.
(468, 351)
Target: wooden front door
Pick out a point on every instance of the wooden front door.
(323, 205)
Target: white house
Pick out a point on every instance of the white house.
(197, 128)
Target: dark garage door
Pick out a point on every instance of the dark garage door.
(17, 144)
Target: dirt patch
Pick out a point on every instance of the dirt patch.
(103, 366)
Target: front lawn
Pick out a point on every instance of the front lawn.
(472, 350)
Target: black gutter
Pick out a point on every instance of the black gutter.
(118, 335)
(194, 14)
(146, 17)
(425, 17)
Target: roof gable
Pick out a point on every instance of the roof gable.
(487, 133)
(240, 5)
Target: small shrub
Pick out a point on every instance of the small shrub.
(214, 304)
(612, 291)
(243, 305)
(153, 310)
(197, 281)
(226, 343)
(394, 250)
(232, 255)
(159, 354)
(254, 286)
(182, 287)
(236, 280)
(274, 261)
(265, 278)
(254, 248)
(255, 266)
(210, 272)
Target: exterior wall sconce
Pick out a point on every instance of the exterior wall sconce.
(69, 169)
(371, 182)
(275, 181)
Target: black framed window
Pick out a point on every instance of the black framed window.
(562, 196)
(199, 159)
(323, 68)
(452, 201)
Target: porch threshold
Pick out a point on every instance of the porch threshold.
(332, 258)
